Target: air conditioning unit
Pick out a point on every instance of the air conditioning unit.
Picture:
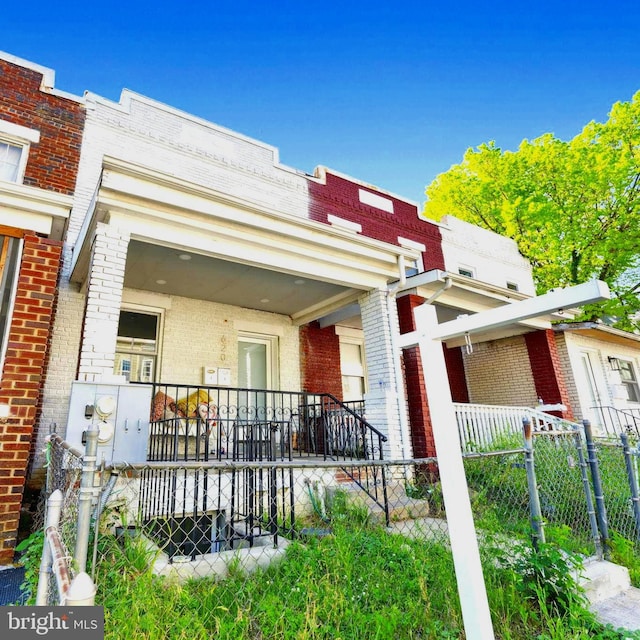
(120, 412)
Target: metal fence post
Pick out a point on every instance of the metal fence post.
(633, 481)
(85, 499)
(534, 497)
(54, 506)
(601, 510)
(587, 493)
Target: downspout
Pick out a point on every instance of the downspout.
(447, 285)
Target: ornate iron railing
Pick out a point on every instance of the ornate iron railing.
(614, 422)
(191, 423)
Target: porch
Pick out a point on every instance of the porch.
(202, 423)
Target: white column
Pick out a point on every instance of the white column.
(104, 298)
(379, 321)
(462, 533)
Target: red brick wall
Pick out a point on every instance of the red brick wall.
(53, 162)
(22, 375)
(339, 196)
(320, 360)
(547, 371)
(456, 374)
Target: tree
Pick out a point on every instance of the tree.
(572, 207)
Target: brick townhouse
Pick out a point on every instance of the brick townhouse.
(196, 262)
(40, 139)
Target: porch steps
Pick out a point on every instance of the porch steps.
(610, 594)
(401, 506)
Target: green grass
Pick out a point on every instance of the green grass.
(359, 583)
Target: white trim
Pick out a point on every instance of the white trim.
(18, 132)
(12, 300)
(48, 76)
(374, 200)
(411, 244)
(341, 223)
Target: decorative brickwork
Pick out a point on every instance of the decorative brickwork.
(341, 197)
(22, 375)
(547, 370)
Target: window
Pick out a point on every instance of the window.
(14, 149)
(10, 161)
(466, 271)
(512, 286)
(629, 380)
(137, 346)
(352, 367)
(10, 249)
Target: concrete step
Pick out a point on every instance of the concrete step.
(611, 596)
(621, 611)
(603, 580)
(401, 506)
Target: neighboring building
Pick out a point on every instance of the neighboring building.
(40, 139)
(601, 366)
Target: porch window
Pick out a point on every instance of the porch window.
(137, 346)
(10, 249)
(629, 380)
(352, 368)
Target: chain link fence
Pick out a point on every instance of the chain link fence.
(618, 470)
(248, 532)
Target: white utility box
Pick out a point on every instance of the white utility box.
(121, 414)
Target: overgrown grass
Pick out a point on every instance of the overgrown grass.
(359, 583)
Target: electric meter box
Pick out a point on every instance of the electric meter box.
(120, 412)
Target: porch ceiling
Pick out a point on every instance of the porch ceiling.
(241, 253)
(181, 273)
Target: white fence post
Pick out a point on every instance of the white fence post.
(54, 506)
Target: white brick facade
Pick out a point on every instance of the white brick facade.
(492, 258)
(104, 298)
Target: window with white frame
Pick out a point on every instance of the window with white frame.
(10, 250)
(15, 141)
(629, 380)
(11, 156)
(137, 345)
(352, 367)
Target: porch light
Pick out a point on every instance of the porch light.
(614, 363)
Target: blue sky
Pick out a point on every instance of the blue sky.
(391, 93)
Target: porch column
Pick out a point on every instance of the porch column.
(104, 298)
(381, 329)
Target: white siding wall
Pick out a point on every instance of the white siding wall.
(493, 258)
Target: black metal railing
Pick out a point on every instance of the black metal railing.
(191, 424)
(613, 421)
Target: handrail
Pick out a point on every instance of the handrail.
(357, 416)
(611, 417)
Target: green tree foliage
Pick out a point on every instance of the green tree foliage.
(572, 207)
